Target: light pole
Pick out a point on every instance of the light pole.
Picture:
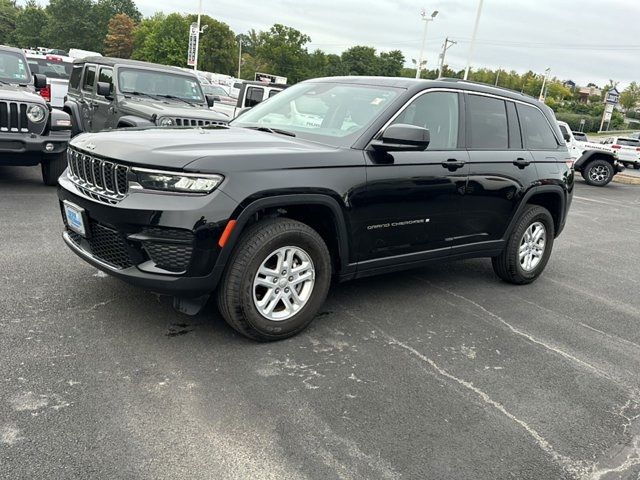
(239, 56)
(544, 82)
(424, 38)
(199, 31)
(473, 39)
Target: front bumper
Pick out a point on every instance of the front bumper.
(13, 144)
(164, 243)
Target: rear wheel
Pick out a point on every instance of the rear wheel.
(276, 280)
(52, 167)
(598, 173)
(528, 248)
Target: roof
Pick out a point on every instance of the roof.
(112, 62)
(419, 84)
(7, 48)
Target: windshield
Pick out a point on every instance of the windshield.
(161, 84)
(51, 68)
(13, 68)
(331, 113)
(215, 90)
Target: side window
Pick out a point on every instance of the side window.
(536, 129)
(76, 74)
(564, 130)
(254, 96)
(438, 112)
(273, 92)
(487, 123)
(106, 76)
(89, 79)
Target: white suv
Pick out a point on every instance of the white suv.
(626, 149)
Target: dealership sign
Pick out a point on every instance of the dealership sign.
(193, 44)
(612, 96)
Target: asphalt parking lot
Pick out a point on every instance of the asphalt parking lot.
(438, 373)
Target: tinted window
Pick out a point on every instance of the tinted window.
(564, 130)
(51, 67)
(161, 83)
(74, 80)
(106, 76)
(254, 96)
(273, 92)
(629, 142)
(536, 129)
(487, 123)
(89, 78)
(438, 112)
(580, 136)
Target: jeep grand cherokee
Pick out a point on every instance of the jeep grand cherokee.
(336, 177)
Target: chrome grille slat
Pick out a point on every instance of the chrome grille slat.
(99, 179)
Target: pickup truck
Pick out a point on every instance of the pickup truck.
(57, 69)
(251, 94)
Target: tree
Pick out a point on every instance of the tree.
(105, 10)
(335, 67)
(250, 42)
(218, 49)
(119, 39)
(360, 60)
(283, 49)
(162, 39)
(391, 63)
(630, 96)
(30, 26)
(317, 64)
(71, 25)
(8, 17)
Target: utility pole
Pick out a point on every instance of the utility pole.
(426, 21)
(447, 44)
(195, 66)
(544, 82)
(497, 77)
(473, 39)
(239, 56)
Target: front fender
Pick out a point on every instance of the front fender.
(72, 109)
(590, 154)
(133, 121)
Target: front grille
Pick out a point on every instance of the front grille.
(13, 117)
(194, 122)
(101, 179)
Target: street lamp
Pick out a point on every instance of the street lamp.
(426, 20)
(544, 82)
(199, 32)
(473, 39)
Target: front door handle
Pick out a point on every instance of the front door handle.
(521, 162)
(452, 164)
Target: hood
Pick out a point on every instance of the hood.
(228, 148)
(16, 93)
(169, 108)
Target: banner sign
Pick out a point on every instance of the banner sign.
(193, 41)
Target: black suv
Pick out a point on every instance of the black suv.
(107, 93)
(337, 177)
(31, 133)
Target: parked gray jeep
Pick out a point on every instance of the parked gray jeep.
(107, 93)
(31, 132)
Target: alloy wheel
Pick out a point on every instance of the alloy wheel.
(599, 173)
(532, 246)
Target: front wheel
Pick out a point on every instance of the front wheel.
(528, 247)
(52, 167)
(276, 280)
(598, 173)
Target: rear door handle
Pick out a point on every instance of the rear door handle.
(521, 162)
(453, 164)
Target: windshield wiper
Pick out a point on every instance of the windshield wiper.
(173, 97)
(143, 94)
(273, 130)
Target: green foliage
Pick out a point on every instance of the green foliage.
(8, 18)
(163, 39)
(218, 48)
(30, 26)
(283, 49)
(105, 10)
(71, 25)
(391, 63)
(119, 39)
(360, 60)
(630, 96)
(592, 124)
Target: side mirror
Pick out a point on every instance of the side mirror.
(402, 137)
(567, 137)
(103, 89)
(211, 100)
(39, 81)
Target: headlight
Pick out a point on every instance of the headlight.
(177, 182)
(36, 113)
(166, 122)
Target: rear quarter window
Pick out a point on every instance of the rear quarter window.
(536, 130)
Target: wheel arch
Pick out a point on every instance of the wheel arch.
(551, 197)
(591, 155)
(320, 211)
(133, 121)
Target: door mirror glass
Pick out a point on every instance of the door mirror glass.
(400, 137)
(103, 89)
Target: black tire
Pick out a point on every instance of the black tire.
(636, 165)
(601, 179)
(52, 167)
(507, 265)
(235, 291)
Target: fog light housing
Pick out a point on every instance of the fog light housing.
(49, 147)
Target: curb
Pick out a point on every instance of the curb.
(627, 179)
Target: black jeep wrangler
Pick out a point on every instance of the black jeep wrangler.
(31, 132)
(107, 93)
(331, 178)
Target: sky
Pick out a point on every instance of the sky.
(582, 40)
